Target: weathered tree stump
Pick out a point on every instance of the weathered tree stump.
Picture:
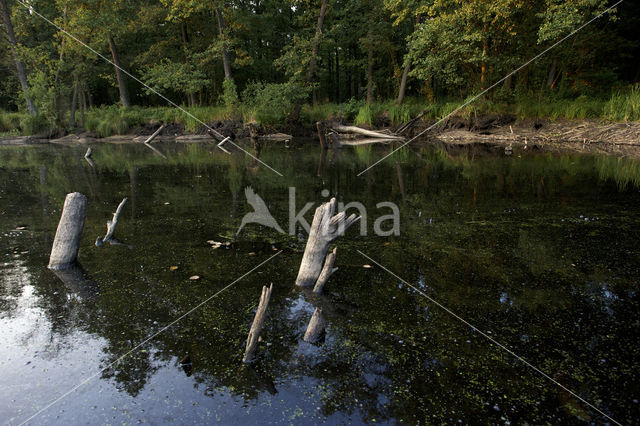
(327, 270)
(325, 228)
(67, 240)
(315, 329)
(258, 322)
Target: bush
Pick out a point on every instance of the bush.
(229, 94)
(273, 103)
(351, 109)
(10, 121)
(32, 125)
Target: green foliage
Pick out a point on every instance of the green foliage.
(229, 94)
(176, 76)
(33, 125)
(365, 115)
(399, 114)
(113, 120)
(624, 106)
(453, 49)
(272, 102)
(10, 121)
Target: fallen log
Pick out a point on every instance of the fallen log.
(87, 156)
(327, 270)
(67, 240)
(153, 136)
(325, 228)
(365, 132)
(409, 124)
(315, 329)
(258, 322)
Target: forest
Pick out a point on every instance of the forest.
(276, 61)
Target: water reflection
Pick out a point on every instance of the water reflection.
(501, 241)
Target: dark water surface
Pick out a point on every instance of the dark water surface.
(540, 251)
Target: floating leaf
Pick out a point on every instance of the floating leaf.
(173, 268)
(367, 266)
(194, 277)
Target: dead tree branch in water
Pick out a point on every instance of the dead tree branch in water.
(327, 270)
(87, 156)
(258, 322)
(111, 229)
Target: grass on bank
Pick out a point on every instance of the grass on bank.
(112, 120)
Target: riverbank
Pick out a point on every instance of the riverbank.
(587, 135)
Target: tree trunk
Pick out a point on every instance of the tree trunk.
(83, 104)
(337, 75)
(74, 105)
(483, 65)
(552, 73)
(124, 96)
(185, 49)
(225, 53)
(67, 241)
(315, 47)
(22, 74)
(403, 84)
(370, 74)
(325, 228)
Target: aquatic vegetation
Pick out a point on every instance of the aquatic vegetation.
(514, 245)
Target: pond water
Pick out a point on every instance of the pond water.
(538, 250)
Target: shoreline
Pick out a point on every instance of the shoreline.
(583, 136)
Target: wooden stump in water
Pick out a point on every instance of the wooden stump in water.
(258, 322)
(327, 270)
(325, 228)
(67, 240)
(315, 329)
